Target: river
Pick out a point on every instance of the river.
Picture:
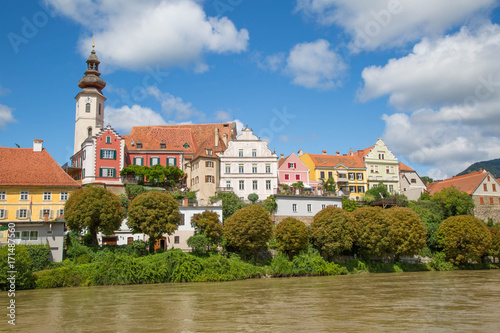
(463, 301)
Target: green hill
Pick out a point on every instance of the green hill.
(492, 166)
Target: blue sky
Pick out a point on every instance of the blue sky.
(304, 74)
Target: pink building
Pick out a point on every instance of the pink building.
(292, 170)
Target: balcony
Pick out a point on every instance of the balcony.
(224, 189)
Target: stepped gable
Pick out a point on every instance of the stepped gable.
(404, 167)
(23, 166)
(467, 183)
(350, 161)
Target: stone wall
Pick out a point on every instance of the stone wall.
(487, 210)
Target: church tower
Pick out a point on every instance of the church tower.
(89, 103)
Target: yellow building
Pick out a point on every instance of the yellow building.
(348, 171)
(33, 191)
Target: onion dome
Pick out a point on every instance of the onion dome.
(91, 78)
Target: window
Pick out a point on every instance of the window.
(268, 184)
(209, 164)
(294, 208)
(22, 213)
(254, 152)
(176, 239)
(108, 139)
(87, 107)
(374, 168)
(25, 235)
(488, 178)
(268, 168)
(138, 145)
(154, 161)
(242, 185)
(254, 168)
(254, 185)
(494, 187)
(24, 195)
(228, 168)
(99, 108)
(89, 131)
(491, 200)
(183, 220)
(291, 165)
(287, 176)
(84, 154)
(60, 212)
(33, 235)
(297, 176)
(352, 189)
(330, 174)
(322, 174)
(64, 196)
(361, 189)
(323, 206)
(109, 154)
(351, 176)
(107, 172)
(45, 211)
(138, 161)
(381, 156)
(359, 176)
(186, 145)
(241, 168)
(163, 145)
(3, 214)
(209, 179)
(47, 196)
(228, 184)
(481, 200)
(171, 161)
(3, 195)
(413, 181)
(391, 188)
(485, 187)
(209, 152)
(240, 153)
(309, 208)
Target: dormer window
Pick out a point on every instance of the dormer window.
(209, 152)
(186, 145)
(138, 145)
(163, 145)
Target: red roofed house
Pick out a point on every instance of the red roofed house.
(482, 186)
(33, 191)
(410, 183)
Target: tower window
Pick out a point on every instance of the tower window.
(99, 108)
(87, 107)
(89, 130)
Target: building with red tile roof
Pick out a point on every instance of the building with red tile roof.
(482, 186)
(410, 183)
(33, 191)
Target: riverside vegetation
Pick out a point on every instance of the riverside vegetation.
(247, 245)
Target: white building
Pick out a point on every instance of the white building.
(248, 166)
(410, 183)
(303, 207)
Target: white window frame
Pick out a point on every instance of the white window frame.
(254, 168)
(228, 168)
(108, 154)
(140, 160)
(47, 196)
(3, 195)
(3, 213)
(254, 152)
(240, 153)
(268, 168)
(106, 172)
(228, 184)
(24, 195)
(268, 184)
(23, 216)
(155, 159)
(255, 185)
(294, 208)
(241, 168)
(309, 208)
(241, 185)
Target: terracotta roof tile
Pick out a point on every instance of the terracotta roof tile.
(363, 152)
(282, 160)
(23, 166)
(404, 167)
(467, 183)
(334, 160)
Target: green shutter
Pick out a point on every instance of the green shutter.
(100, 172)
(114, 172)
(102, 153)
(150, 161)
(114, 154)
(142, 161)
(175, 161)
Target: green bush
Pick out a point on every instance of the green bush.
(291, 236)
(22, 266)
(439, 263)
(199, 244)
(40, 256)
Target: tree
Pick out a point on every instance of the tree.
(23, 267)
(431, 214)
(93, 208)
(248, 230)
(291, 236)
(154, 214)
(253, 197)
(408, 234)
(270, 204)
(464, 238)
(333, 230)
(378, 192)
(349, 204)
(328, 185)
(158, 175)
(230, 203)
(454, 201)
(426, 179)
(373, 225)
(298, 185)
(494, 250)
(208, 224)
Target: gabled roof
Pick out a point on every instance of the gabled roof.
(25, 167)
(404, 167)
(350, 161)
(282, 160)
(467, 183)
(363, 152)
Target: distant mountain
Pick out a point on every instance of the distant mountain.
(492, 166)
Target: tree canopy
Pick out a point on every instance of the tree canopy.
(373, 225)
(93, 208)
(453, 201)
(208, 224)
(154, 214)
(158, 175)
(291, 236)
(408, 234)
(248, 230)
(230, 203)
(253, 197)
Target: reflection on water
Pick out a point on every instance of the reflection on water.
(465, 301)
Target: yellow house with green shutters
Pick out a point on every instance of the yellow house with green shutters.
(33, 191)
(348, 171)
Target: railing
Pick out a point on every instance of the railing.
(224, 189)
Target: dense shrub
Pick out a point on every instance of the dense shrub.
(291, 236)
(40, 256)
(248, 230)
(199, 244)
(22, 266)
(453, 201)
(464, 238)
(372, 225)
(333, 230)
(494, 250)
(438, 262)
(208, 224)
(407, 233)
(431, 214)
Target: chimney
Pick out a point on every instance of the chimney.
(224, 139)
(282, 155)
(216, 137)
(186, 202)
(37, 145)
(338, 153)
(300, 153)
(46, 216)
(324, 152)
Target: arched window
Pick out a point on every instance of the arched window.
(99, 108)
(89, 130)
(87, 107)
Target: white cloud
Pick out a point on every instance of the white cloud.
(174, 106)
(6, 116)
(124, 118)
(133, 35)
(374, 24)
(450, 87)
(314, 65)
(274, 62)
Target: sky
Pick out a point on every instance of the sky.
(315, 75)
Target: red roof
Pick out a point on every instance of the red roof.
(23, 166)
(362, 153)
(404, 167)
(467, 183)
(282, 160)
(350, 161)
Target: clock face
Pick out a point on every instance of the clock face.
(88, 99)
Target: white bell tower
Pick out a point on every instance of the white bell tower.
(89, 118)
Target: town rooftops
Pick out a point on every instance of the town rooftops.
(404, 167)
(350, 161)
(28, 167)
(467, 183)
